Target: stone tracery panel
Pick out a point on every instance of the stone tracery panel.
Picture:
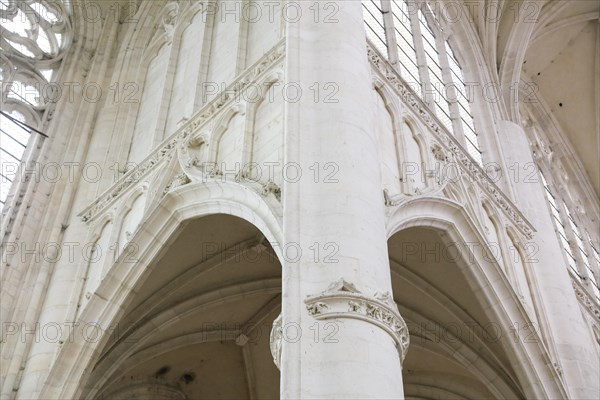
(412, 167)
(34, 36)
(267, 138)
(230, 145)
(146, 122)
(95, 259)
(384, 124)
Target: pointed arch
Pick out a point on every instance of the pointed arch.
(106, 306)
(529, 358)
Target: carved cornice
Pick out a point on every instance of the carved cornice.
(586, 300)
(343, 300)
(447, 141)
(166, 150)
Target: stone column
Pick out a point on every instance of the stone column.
(341, 334)
(572, 346)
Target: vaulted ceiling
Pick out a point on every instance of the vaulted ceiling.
(555, 45)
(563, 61)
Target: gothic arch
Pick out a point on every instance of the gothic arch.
(119, 286)
(390, 99)
(529, 359)
(416, 135)
(253, 106)
(139, 194)
(118, 360)
(391, 174)
(221, 127)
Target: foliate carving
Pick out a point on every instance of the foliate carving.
(316, 308)
(271, 187)
(276, 341)
(586, 300)
(169, 19)
(448, 144)
(192, 156)
(179, 180)
(343, 300)
(438, 153)
(129, 180)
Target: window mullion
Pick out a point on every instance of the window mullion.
(594, 258)
(592, 261)
(421, 60)
(449, 90)
(388, 27)
(559, 227)
(575, 253)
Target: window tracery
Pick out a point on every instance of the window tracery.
(406, 33)
(34, 36)
(578, 258)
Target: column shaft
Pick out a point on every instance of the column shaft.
(334, 214)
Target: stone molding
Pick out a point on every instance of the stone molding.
(447, 144)
(343, 300)
(586, 300)
(166, 151)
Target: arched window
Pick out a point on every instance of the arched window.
(33, 38)
(407, 34)
(34, 30)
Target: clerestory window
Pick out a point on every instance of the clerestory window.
(407, 33)
(577, 257)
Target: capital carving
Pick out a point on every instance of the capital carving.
(343, 300)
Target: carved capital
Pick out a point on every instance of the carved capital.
(343, 300)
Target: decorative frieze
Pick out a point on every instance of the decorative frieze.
(586, 300)
(343, 300)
